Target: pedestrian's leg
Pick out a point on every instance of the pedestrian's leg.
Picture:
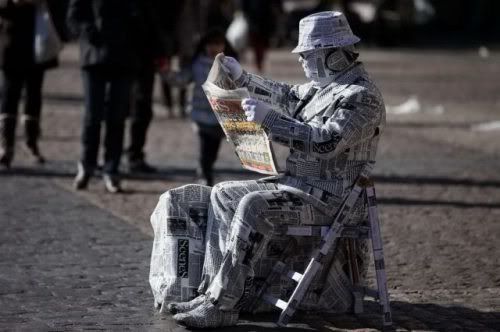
(207, 145)
(179, 223)
(32, 112)
(12, 86)
(167, 97)
(94, 87)
(210, 151)
(182, 101)
(140, 117)
(259, 45)
(116, 113)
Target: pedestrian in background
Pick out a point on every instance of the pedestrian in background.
(261, 16)
(205, 123)
(111, 33)
(155, 56)
(169, 14)
(20, 70)
(188, 24)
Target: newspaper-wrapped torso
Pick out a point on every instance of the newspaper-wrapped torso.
(331, 138)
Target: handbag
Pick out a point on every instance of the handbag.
(47, 43)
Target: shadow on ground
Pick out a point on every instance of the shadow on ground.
(65, 169)
(406, 316)
(186, 174)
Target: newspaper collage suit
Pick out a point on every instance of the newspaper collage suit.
(222, 240)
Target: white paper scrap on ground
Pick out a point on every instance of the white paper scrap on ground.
(484, 52)
(412, 105)
(487, 126)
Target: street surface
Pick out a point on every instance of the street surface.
(80, 260)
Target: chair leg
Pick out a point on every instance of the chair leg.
(378, 255)
(354, 276)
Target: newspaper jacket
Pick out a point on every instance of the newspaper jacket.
(332, 132)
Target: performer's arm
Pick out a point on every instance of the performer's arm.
(356, 119)
(280, 96)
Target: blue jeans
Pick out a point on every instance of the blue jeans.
(107, 98)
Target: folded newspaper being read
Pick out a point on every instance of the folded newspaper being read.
(250, 141)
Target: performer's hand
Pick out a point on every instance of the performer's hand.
(255, 110)
(232, 67)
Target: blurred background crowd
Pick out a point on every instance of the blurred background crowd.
(126, 44)
(378, 22)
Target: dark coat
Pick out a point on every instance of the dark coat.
(117, 34)
(17, 29)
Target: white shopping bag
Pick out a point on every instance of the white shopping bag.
(237, 32)
(47, 43)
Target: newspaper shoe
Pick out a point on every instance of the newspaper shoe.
(181, 307)
(207, 315)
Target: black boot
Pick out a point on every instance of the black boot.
(7, 138)
(32, 132)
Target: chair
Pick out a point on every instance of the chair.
(363, 189)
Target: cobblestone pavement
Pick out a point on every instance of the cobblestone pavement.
(79, 261)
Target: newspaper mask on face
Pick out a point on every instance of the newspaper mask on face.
(322, 66)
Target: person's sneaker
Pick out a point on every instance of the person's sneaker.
(82, 178)
(140, 166)
(180, 307)
(207, 315)
(111, 183)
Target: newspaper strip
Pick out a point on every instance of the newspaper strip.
(250, 141)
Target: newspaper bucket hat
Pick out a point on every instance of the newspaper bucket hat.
(324, 30)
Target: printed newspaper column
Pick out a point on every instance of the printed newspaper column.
(250, 141)
(183, 265)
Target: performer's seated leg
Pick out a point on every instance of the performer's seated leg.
(250, 232)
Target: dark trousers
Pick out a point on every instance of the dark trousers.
(210, 138)
(141, 113)
(107, 98)
(13, 84)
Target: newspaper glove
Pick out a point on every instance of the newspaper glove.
(255, 110)
(232, 67)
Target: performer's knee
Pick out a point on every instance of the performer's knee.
(176, 195)
(222, 195)
(252, 209)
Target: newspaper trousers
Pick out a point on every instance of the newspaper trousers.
(234, 227)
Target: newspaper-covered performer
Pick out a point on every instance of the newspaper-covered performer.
(214, 245)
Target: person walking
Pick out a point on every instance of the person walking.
(261, 16)
(20, 70)
(111, 33)
(156, 56)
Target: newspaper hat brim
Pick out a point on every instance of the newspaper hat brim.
(346, 42)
